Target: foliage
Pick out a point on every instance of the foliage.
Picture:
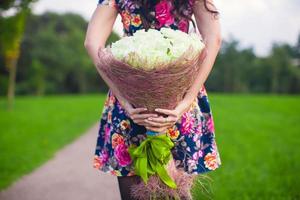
(240, 70)
(53, 60)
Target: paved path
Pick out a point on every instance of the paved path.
(68, 176)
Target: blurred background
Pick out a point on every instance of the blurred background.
(47, 81)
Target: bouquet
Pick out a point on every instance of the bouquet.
(152, 69)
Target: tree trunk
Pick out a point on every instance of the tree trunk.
(12, 67)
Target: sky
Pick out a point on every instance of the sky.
(254, 23)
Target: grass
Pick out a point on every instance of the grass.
(258, 137)
(259, 141)
(38, 127)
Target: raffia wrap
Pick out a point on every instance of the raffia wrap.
(162, 87)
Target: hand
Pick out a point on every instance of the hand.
(135, 115)
(161, 124)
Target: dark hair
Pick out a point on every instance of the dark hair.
(181, 9)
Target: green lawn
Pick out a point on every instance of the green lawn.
(258, 137)
(38, 127)
(259, 141)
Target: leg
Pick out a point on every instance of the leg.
(124, 185)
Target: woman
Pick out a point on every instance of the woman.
(190, 125)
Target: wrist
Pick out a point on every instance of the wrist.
(184, 105)
(188, 99)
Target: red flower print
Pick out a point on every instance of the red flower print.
(136, 20)
(97, 163)
(122, 155)
(183, 25)
(173, 134)
(163, 13)
(116, 140)
(210, 161)
(125, 124)
(115, 172)
(100, 160)
(126, 18)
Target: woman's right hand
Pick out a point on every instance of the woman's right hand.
(135, 113)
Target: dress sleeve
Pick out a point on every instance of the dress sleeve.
(111, 3)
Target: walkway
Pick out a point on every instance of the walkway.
(68, 176)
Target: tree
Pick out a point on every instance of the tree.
(53, 58)
(12, 29)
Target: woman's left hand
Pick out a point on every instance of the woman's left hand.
(161, 124)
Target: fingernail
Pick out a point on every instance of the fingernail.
(156, 109)
(150, 118)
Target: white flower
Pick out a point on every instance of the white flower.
(147, 49)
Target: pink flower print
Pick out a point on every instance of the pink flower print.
(192, 164)
(183, 25)
(122, 155)
(198, 129)
(191, 2)
(104, 156)
(163, 13)
(197, 140)
(187, 122)
(111, 100)
(198, 154)
(101, 159)
(210, 124)
(203, 91)
(106, 133)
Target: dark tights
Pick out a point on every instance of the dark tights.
(124, 185)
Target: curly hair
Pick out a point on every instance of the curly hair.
(181, 9)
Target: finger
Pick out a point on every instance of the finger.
(152, 128)
(163, 119)
(143, 116)
(163, 124)
(137, 110)
(148, 123)
(166, 111)
(157, 127)
(141, 122)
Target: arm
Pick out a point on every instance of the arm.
(98, 31)
(209, 28)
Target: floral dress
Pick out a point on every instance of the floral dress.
(195, 148)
